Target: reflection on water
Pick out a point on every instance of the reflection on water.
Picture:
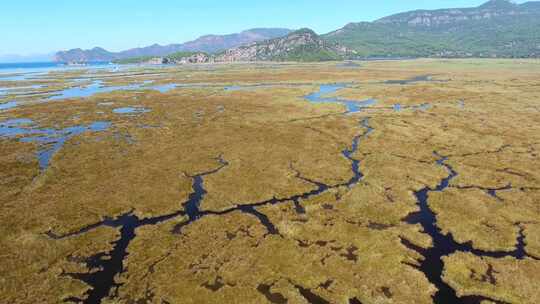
(130, 110)
(94, 88)
(97, 87)
(234, 88)
(352, 106)
(164, 88)
(49, 140)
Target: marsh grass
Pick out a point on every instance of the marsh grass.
(348, 242)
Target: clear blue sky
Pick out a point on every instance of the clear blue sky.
(43, 26)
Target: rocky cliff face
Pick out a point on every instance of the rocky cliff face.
(301, 45)
(487, 11)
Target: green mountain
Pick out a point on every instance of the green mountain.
(300, 45)
(498, 28)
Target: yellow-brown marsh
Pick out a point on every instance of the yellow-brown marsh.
(253, 194)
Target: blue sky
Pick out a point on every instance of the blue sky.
(44, 26)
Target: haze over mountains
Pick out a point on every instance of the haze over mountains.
(498, 28)
(208, 44)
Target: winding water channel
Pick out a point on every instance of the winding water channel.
(106, 266)
(444, 245)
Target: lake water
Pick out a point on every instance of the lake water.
(26, 66)
(26, 70)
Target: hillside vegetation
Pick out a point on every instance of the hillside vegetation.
(497, 28)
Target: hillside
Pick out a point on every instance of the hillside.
(498, 28)
(301, 45)
(209, 44)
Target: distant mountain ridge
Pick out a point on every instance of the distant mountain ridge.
(497, 28)
(300, 45)
(208, 43)
(216, 43)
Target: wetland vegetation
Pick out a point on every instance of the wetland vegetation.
(411, 181)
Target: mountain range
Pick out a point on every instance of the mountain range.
(208, 44)
(497, 28)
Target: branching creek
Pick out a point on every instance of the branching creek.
(106, 265)
(443, 245)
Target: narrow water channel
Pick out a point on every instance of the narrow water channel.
(109, 265)
(443, 245)
(106, 266)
